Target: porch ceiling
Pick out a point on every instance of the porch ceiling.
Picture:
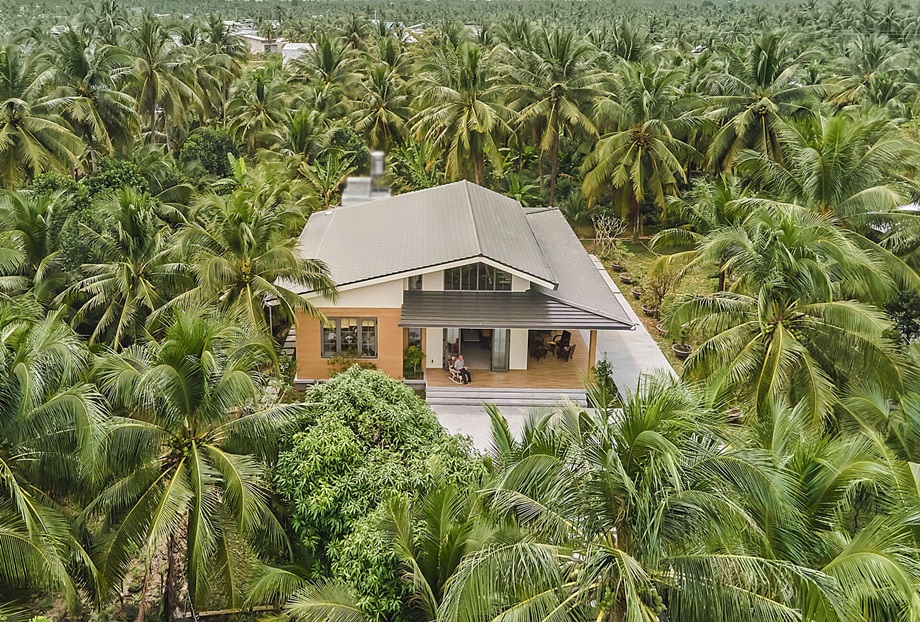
(470, 309)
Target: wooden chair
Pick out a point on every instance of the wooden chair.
(455, 376)
(537, 351)
(566, 352)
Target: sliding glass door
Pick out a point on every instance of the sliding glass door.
(500, 349)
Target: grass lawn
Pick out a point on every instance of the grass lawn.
(637, 265)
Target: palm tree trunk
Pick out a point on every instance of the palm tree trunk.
(142, 604)
(479, 168)
(554, 168)
(169, 589)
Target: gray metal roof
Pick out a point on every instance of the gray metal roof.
(580, 283)
(532, 309)
(421, 229)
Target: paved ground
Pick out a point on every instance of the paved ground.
(474, 422)
(630, 352)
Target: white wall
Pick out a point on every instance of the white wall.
(387, 295)
(519, 284)
(433, 281)
(517, 349)
(434, 347)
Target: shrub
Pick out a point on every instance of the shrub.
(209, 147)
(346, 360)
(412, 362)
(365, 439)
(113, 175)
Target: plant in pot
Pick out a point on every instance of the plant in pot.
(627, 278)
(637, 290)
(656, 286)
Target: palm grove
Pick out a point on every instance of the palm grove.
(155, 177)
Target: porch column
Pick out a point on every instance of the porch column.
(434, 348)
(592, 353)
(518, 349)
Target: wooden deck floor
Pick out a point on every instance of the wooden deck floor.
(548, 373)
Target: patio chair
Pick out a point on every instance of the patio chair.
(566, 352)
(537, 351)
(455, 376)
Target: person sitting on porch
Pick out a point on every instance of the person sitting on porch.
(460, 366)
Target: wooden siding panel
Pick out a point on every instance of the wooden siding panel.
(312, 366)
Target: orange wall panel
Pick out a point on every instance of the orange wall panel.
(312, 366)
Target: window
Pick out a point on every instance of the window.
(414, 337)
(415, 282)
(477, 277)
(350, 336)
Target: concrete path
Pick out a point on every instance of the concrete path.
(630, 352)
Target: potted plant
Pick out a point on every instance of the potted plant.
(681, 350)
(662, 329)
(627, 278)
(636, 292)
(656, 286)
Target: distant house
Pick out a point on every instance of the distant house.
(293, 51)
(456, 269)
(260, 45)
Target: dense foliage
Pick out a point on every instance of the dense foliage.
(367, 440)
(155, 176)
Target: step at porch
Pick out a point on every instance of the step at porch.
(472, 396)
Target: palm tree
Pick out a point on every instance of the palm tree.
(187, 456)
(642, 154)
(460, 108)
(791, 325)
(33, 137)
(131, 273)
(257, 108)
(753, 96)
(304, 135)
(380, 106)
(242, 249)
(160, 83)
(33, 223)
(51, 426)
(871, 61)
(710, 205)
(88, 75)
(429, 539)
(331, 69)
(626, 517)
(555, 83)
(848, 167)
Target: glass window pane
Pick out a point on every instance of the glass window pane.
(330, 342)
(415, 282)
(415, 337)
(502, 281)
(452, 278)
(369, 338)
(469, 278)
(486, 277)
(349, 336)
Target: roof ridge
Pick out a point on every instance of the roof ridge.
(469, 204)
(322, 240)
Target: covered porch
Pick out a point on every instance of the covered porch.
(546, 372)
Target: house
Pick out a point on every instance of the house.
(260, 45)
(456, 269)
(291, 50)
